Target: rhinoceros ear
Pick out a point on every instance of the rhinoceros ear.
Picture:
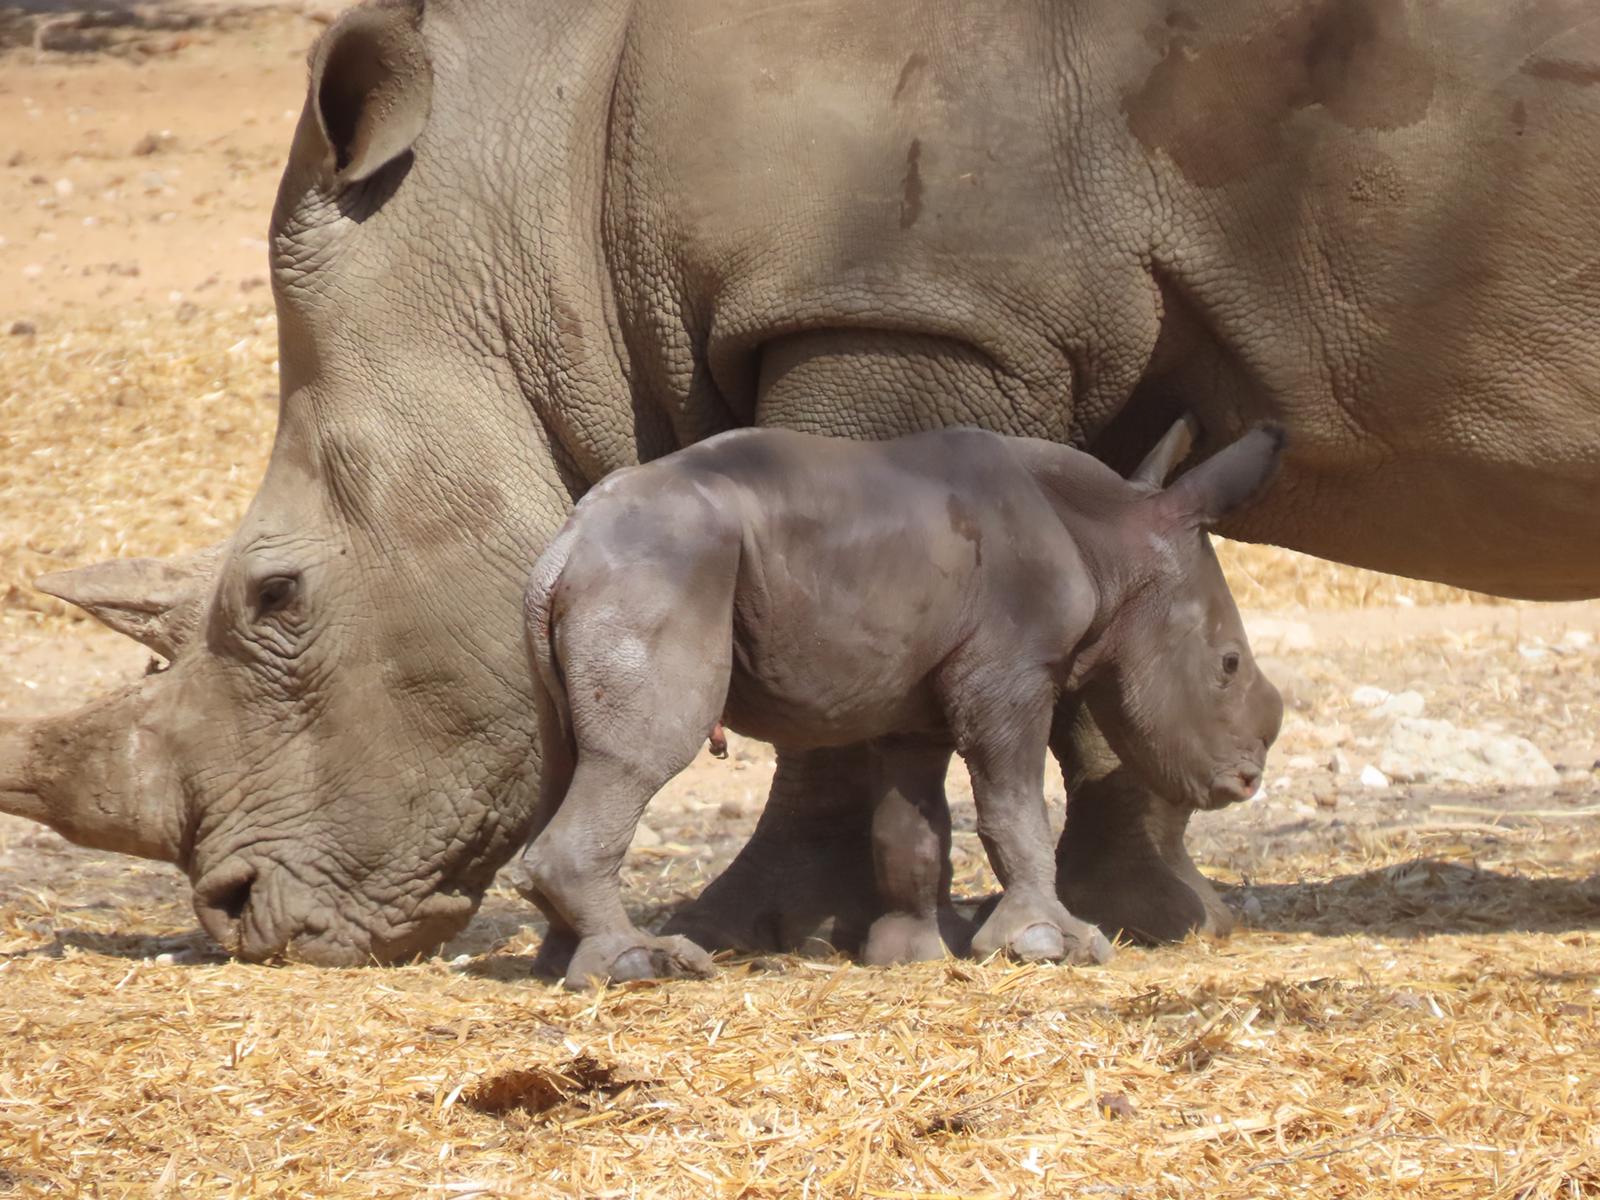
(371, 86)
(1171, 450)
(155, 601)
(1227, 480)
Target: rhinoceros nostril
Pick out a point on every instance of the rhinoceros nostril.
(226, 892)
(235, 899)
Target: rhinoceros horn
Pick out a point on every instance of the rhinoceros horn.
(1171, 450)
(96, 777)
(156, 601)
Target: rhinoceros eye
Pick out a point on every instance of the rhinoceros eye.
(1230, 662)
(274, 593)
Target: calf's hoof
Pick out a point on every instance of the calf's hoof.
(555, 954)
(1039, 930)
(619, 957)
(906, 938)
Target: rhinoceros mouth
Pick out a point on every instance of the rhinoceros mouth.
(1233, 786)
(261, 911)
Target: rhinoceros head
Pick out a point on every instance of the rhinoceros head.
(340, 750)
(1185, 704)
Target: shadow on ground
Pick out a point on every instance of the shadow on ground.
(1425, 896)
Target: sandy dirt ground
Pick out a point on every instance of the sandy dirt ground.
(1388, 913)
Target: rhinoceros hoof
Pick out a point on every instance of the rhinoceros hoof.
(902, 938)
(555, 954)
(1035, 930)
(619, 957)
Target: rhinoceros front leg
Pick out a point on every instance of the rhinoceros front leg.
(804, 881)
(911, 856)
(1121, 861)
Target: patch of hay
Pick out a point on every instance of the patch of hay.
(142, 436)
(1284, 1063)
(1267, 577)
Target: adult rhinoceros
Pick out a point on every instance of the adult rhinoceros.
(519, 245)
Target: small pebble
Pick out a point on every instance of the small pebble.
(1373, 778)
(154, 143)
(1115, 1104)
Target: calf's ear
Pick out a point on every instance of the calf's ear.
(1228, 479)
(371, 86)
(1166, 454)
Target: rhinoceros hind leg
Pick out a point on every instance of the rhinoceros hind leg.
(804, 881)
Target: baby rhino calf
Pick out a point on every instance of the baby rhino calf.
(933, 593)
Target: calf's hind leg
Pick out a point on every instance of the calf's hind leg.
(642, 699)
(911, 855)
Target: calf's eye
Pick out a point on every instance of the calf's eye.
(1230, 663)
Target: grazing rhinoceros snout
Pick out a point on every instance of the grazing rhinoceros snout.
(289, 758)
(259, 909)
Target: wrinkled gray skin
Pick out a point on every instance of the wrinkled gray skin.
(932, 593)
(520, 245)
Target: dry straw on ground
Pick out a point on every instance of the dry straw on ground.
(144, 436)
(147, 436)
(1304, 1058)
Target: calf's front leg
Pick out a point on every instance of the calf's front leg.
(1005, 750)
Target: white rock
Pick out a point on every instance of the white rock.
(1373, 778)
(1302, 762)
(63, 188)
(1368, 696)
(1424, 751)
(1401, 704)
(1578, 639)
(644, 837)
(1532, 651)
